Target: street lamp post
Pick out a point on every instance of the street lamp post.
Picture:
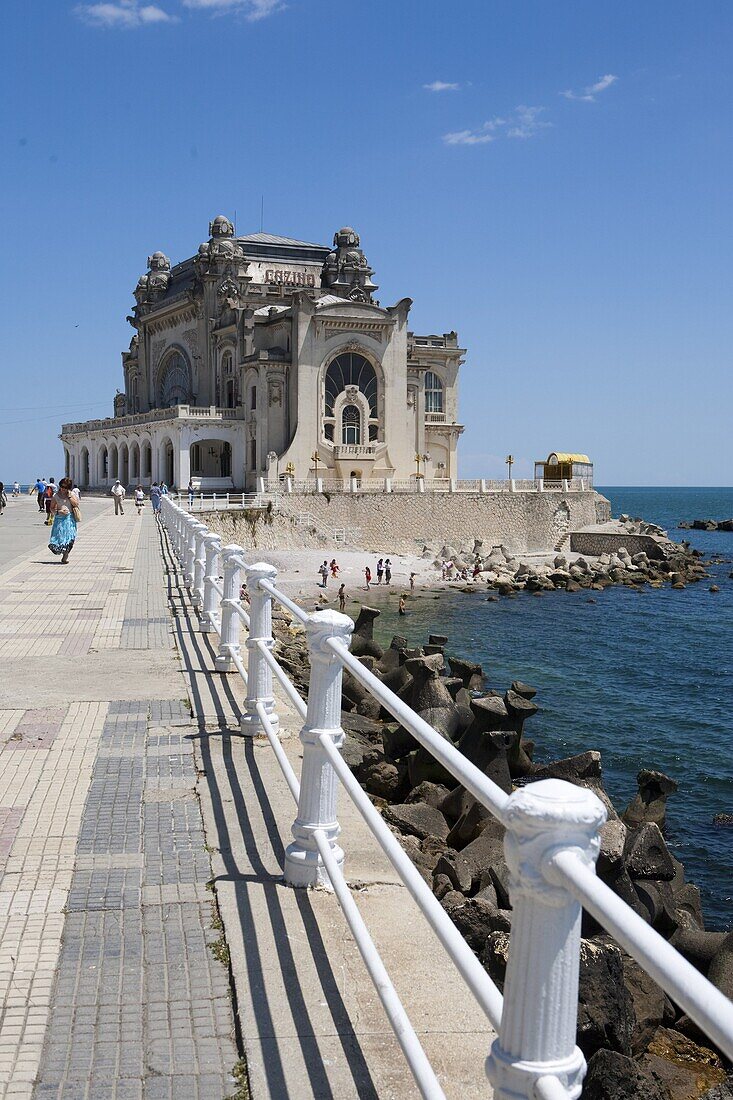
(418, 459)
(510, 462)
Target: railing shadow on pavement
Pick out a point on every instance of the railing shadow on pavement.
(552, 839)
(197, 655)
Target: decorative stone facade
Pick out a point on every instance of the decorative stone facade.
(263, 356)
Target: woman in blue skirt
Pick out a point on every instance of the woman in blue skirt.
(65, 512)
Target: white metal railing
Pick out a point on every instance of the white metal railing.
(219, 502)
(274, 486)
(551, 843)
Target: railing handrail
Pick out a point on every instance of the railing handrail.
(551, 841)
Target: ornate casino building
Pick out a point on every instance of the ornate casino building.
(261, 357)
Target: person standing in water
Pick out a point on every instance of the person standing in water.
(65, 512)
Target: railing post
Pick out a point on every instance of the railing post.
(229, 635)
(190, 548)
(388, 484)
(540, 485)
(212, 547)
(482, 485)
(318, 781)
(259, 673)
(539, 1019)
(565, 485)
(199, 565)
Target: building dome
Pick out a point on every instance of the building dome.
(346, 238)
(221, 227)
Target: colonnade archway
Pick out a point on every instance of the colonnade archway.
(124, 464)
(167, 463)
(84, 469)
(102, 464)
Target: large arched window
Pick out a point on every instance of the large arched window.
(346, 374)
(175, 382)
(433, 393)
(351, 425)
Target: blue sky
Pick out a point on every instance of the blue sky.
(551, 180)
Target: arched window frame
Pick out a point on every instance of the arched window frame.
(434, 393)
(179, 385)
(367, 400)
(351, 417)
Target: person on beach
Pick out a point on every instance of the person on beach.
(65, 510)
(323, 570)
(118, 494)
(335, 570)
(388, 572)
(191, 491)
(16, 489)
(139, 499)
(367, 576)
(156, 493)
(48, 494)
(380, 570)
(402, 609)
(3, 498)
(40, 490)
(342, 597)
(412, 582)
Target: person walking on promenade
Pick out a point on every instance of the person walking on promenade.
(323, 570)
(48, 494)
(388, 572)
(65, 510)
(412, 582)
(40, 490)
(16, 489)
(342, 597)
(380, 570)
(139, 499)
(3, 498)
(118, 493)
(367, 576)
(191, 491)
(156, 493)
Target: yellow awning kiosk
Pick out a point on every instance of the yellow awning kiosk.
(563, 466)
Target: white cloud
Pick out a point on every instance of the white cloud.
(441, 86)
(122, 13)
(523, 122)
(588, 95)
(251, 9)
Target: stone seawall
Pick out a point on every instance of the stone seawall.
(404, 523)
(596, 543)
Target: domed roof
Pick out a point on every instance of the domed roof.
(221, 227)
(346, 237)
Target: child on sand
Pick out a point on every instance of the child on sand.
(367, 576)
(412, 581)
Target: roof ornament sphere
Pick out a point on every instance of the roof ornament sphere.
(159, 262)
(346, 238)
(221, 227)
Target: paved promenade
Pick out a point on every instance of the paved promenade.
(108, 984)
(146, 938)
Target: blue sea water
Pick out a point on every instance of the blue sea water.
(646, 678)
